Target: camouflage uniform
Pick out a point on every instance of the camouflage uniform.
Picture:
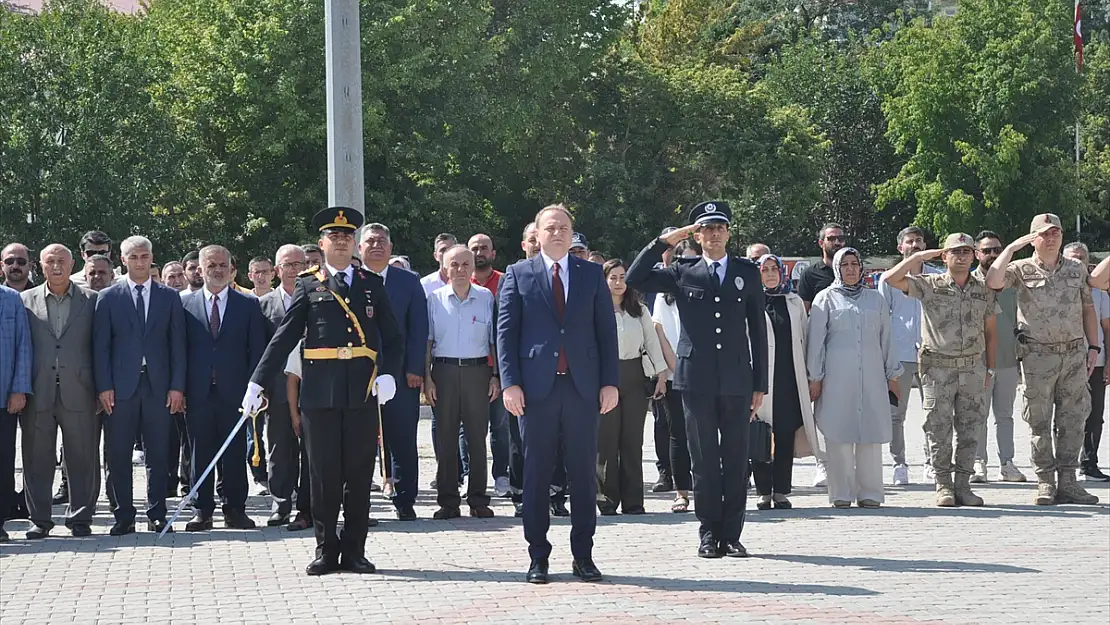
(953, 376)
(1052, 345)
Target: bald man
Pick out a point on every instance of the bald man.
(60, 315)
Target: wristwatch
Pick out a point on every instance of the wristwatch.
(1098, 350)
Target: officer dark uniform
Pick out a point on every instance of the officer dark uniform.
(715, 372)
(341, 355)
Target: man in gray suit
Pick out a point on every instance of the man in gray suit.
(60, 314)
(288, 465)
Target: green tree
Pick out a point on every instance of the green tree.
(81, 145)
(981, 105)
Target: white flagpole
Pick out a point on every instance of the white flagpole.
(1078, 219)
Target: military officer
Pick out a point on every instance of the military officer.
(720, 302)
(958, 327)
(1058, 347)
(341, 312)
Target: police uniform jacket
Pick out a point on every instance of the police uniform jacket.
(713, 355)
(315, 315)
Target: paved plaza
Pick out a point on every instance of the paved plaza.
(908, 562)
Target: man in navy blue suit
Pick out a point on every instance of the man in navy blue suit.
(400, 416)
(226, 335)
(139, 340)
(557, 351)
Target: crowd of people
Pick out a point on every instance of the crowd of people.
(558, 359)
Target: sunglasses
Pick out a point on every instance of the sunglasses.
(991, 250)
(12, 260)
(89, 253)
(836, 239)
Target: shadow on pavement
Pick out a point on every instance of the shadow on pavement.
(651, 583)
(901, 566)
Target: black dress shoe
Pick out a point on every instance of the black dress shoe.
(122, 529)
(158, 526)
(300, 522)
(708, 548)
(1093, 474)
(38, 532)
(585, 570)
(322, 566)
(201, 522)
(518, 510)
(236, 519)
(733, 549)
(80, 530)
(277, 518)
(444, 513)
(662, 485)
(783, 505)
(763, 505)
(481, 512)
(61, 496)
(559, 508)
(607, 510)
(638, 510)
(406, 513)
(371, 522)
(537, 571)
(357, 564)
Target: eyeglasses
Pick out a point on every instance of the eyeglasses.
(991, 250)
(836, 239)
(12, 260)
(294, 265)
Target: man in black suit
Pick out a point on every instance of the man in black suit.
(341, 312)
(557, 351)
(288, 462)
(225, 334)
(720, 302)
(139, 372)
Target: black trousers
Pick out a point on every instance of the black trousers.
(210, 421)
(145, 412)
(180, 458)
(662, 438)
(1092, 429)
(340, 444)
(717, 428)
(776, 476)
(679, 452)
(8, 493)
(463, 399)
(287, 464)
(516, 467)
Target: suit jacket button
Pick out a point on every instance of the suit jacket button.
(716, 299)
(556, 354)
(347, 299)
(349, 330)
(718, 330)
(717, 315)
(718, 346)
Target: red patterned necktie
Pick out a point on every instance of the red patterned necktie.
(214, 318)
(560, 308)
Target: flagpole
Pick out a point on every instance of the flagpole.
(1078, 39)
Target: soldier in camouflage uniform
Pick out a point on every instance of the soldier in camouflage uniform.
(957, 329)
(1058, 345)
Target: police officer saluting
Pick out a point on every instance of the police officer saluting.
(720, 301)
(340, 312)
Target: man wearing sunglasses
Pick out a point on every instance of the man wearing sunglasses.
(16, 267)
(1002, 386)
(94, 243)
(818, 277)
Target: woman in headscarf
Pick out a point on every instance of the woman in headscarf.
(786, 407)
(851, 370)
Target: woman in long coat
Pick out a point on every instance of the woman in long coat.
(786, 407)
(851, 368)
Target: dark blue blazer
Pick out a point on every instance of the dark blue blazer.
(529, 334)
(232, 355)
(120, 343)
(410, 307)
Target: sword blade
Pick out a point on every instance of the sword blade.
(211, 465)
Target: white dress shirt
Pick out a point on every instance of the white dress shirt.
(286, 298)
(722, 270)
(221, 303)
(431, 282)
(564, 273)
(349, 271)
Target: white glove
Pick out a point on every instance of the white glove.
(384, 388)
(252, 400)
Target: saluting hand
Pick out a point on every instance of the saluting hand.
(924, 255)
(674, 238)
(1023, 241)
(609, 397)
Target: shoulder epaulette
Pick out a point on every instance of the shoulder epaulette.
(311, 270)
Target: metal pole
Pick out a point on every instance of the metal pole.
(1078, 220)
(343, 53)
